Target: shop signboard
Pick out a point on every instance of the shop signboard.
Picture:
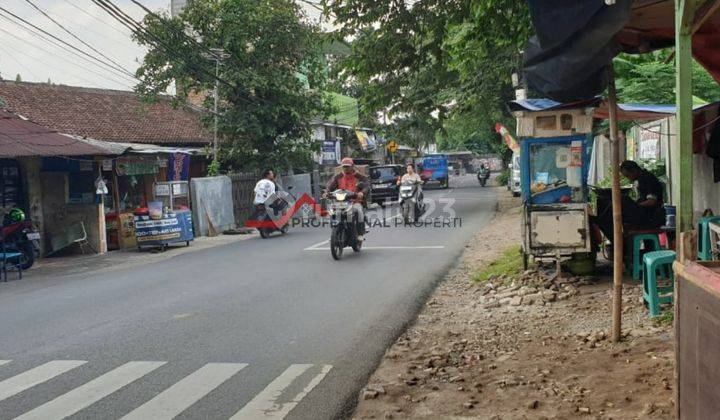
(130, 166)
(649, 142)
(330, 152)
(170, 228)
(178, 167)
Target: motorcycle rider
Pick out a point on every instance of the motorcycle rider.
(413, 176)
(351, 180)
(264, 189)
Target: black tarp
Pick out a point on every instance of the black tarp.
(573, 45)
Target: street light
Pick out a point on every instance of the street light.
(217, 54)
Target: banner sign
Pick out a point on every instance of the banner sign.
(172, 227)
(129, 166)
(650, 142)
(178, 167)
(367, 143)
(329, 154)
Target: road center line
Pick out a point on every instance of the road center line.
(91, 392)
(36, 376)
(185, 393)
(311, 247)
(386, 247)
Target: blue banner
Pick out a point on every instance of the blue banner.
(178, 167)
(173, 227)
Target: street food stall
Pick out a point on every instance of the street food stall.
(554, 159)
(167, 219)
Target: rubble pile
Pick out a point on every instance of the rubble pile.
(531, 288)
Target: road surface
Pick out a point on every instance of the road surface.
(255, 329)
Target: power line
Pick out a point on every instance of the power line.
(19, 63)
(96, 18)
(119, 66)
(61, 41)
(105, 76)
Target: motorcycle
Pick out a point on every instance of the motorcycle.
(23, 237)
(279, 207)
(410, 203)
(344, 230)
(483, 176)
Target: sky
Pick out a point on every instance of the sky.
(37, 60)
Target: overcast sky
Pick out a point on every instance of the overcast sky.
(37, 60)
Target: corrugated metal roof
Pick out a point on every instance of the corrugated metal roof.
(20, 137)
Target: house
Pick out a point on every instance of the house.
(135, 143)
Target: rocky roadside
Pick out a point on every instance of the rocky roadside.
(530, 346)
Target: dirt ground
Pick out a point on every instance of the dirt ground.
(535, 348)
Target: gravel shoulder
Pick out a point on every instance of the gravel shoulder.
(532, 347)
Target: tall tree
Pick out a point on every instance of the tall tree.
(270, 84)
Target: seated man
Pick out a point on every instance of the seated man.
(352, 180)
(645, 213)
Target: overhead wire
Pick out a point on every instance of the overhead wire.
(66, 30)
(19, 63)
(28, 27)
(74, 63)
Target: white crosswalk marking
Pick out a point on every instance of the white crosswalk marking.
(91, 392)
(185, 393)
(266, 405)
(2, 362)
(35, 376)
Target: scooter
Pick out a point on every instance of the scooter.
(23, 237)
(279, 207)
(483, 176)
(344, 230)
(410, 203)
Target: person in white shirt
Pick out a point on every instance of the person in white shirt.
(265, 187)
(411, 175)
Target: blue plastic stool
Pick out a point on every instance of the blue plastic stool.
(704, 248)
(653, 262)
(633, 258)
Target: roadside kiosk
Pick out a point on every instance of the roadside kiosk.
(555, 141)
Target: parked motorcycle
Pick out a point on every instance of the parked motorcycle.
(344, 229)
(483, 175)
(279, 207)
(410, 202)
(21, 236)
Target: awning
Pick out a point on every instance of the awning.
(576, 40)
(118, 148)
(626, 112)
(22, 138)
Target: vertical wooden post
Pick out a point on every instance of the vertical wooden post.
(617, 209)
(684, 14)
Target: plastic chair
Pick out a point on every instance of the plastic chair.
(635, 240)
(653, 262)
(704, 247)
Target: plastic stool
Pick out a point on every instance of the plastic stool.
(704, 248)
(653, 261)
(636, 239)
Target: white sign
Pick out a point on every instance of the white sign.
(649, 143)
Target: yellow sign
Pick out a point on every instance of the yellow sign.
(392, 146)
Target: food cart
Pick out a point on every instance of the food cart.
(554, 159)
(168, 219)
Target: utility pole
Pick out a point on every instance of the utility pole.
(217, 54)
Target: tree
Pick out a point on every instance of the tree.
(265, 106)
(18, 79)
(444, 60)
(650, 79)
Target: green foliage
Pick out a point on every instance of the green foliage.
(214, 168)
(445, 63)
(509, 265)
(650, 79)
(273, 57)
(665, 319)
(504, 177)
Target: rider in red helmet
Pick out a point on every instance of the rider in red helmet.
(352, 180)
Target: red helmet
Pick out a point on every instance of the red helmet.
(347, 162)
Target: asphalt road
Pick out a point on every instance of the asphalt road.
(255, 329)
